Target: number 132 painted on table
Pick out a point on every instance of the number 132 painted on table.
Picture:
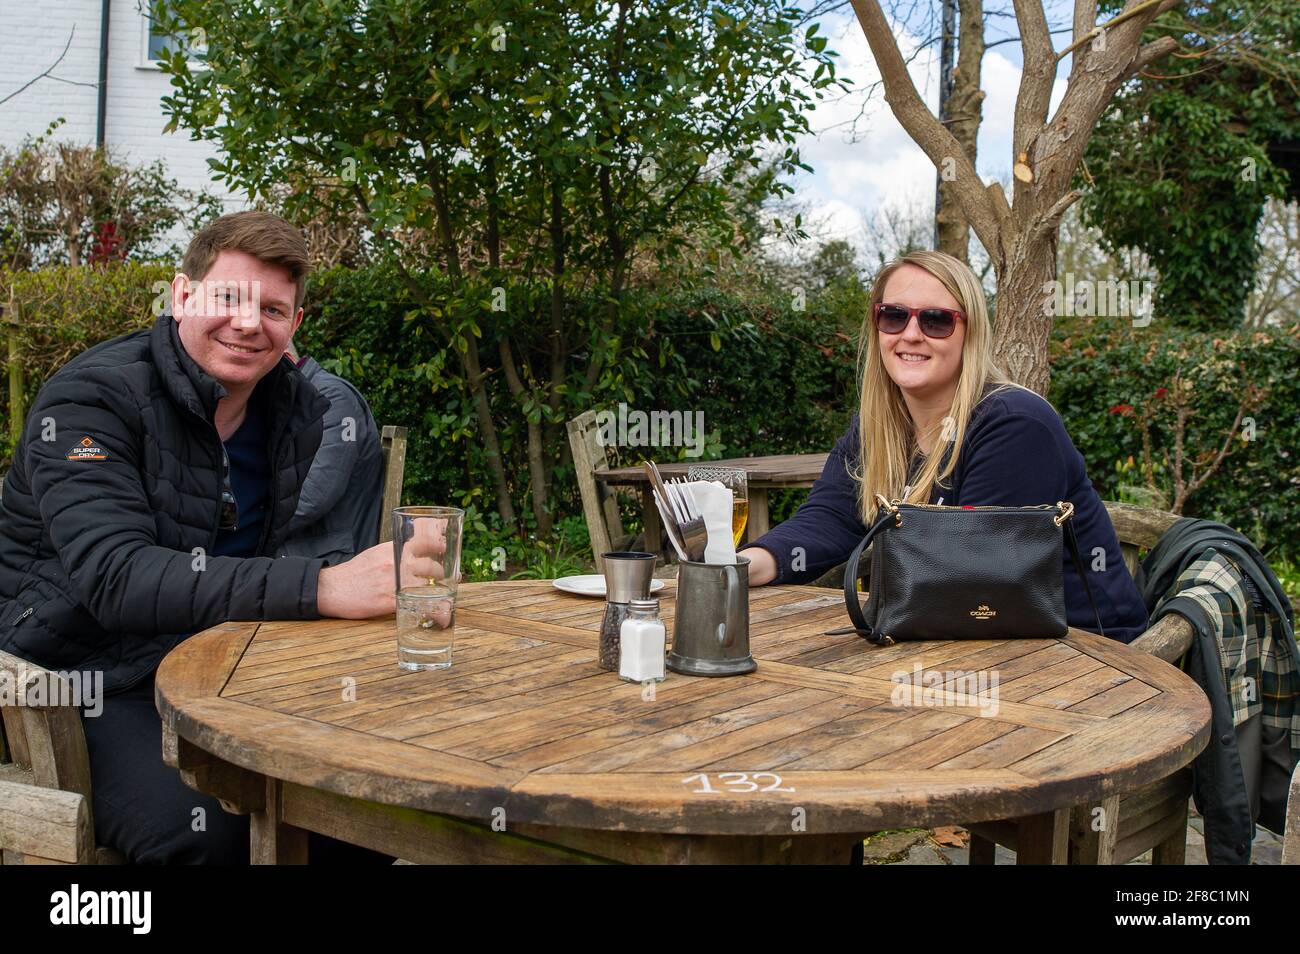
(738, 782)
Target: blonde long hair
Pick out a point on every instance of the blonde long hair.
(886, 431)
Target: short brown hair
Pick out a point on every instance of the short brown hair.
(264, 236)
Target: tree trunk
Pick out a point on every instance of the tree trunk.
(1024, 322)
(473, 372)
(74, 248)
(553, 432)
(471, 367)
(537, 471)
(615, 240)
(965, 109)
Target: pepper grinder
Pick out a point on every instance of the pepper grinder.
(627, 577)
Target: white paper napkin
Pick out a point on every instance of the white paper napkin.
(714, 501)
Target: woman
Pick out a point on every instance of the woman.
(929, 386)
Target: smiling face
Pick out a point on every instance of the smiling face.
(236, 321)
(924, 368)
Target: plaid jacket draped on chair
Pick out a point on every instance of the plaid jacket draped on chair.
(1244, 656)
(1257, 655)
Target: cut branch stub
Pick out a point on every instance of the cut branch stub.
(1021, 169)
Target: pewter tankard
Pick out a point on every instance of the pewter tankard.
(711, 621)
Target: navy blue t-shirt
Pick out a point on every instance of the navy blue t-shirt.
(250, 476)
(1015, 453)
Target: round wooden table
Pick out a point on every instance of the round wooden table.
(525, 750)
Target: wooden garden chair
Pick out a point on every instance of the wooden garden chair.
(599, 502)
(392, 443)
(45, 803)
(45, 814)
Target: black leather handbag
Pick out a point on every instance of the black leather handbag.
(964, 573)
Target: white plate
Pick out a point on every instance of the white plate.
(593, 584)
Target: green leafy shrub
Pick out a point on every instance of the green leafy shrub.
(1101, 367)
(59, 312)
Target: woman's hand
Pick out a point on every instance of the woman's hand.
(762, 566)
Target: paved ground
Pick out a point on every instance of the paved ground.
(921, 847)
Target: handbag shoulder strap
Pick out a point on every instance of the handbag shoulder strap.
(1073, 542)
(888, 519)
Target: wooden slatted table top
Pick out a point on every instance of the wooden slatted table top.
(781, 470)
(524, 721)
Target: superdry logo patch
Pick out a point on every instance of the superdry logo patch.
(86, 449)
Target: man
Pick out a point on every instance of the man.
(338, 509)
(156, 474)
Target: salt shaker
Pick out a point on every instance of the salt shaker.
(642, 638)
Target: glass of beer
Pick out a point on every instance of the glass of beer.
(426, 559)
(738, 482)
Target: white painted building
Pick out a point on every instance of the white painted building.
(33, 33)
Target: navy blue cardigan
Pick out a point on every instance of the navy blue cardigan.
(1015, 452)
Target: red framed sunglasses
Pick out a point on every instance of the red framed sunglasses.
(933, 322)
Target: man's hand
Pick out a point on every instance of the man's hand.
(360, 588)
(422, 553)
(364, 586)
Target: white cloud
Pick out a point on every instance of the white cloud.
(862, 158)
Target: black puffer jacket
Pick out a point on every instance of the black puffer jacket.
(113, 504)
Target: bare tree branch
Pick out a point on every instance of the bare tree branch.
(1132, 9)
(1151, 52)
(1085, 19)
(922, 125)
(1086, 97)
(1036, 76)
(1016, 39)
(48, 71)
(1050, 219)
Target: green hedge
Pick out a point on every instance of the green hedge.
(56, 313)
(768, 378)
(1102, 369)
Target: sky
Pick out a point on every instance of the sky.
(861, 157)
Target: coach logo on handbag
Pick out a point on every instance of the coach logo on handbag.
(983, 612)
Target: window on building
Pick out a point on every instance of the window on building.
(157, 40)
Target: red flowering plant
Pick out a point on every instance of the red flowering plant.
(1162, 418)
(110, 245)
